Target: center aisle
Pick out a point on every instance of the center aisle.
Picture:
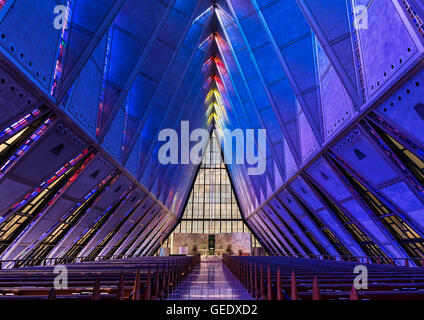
(210, 281)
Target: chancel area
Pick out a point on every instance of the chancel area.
(212, 223)
(211, 150)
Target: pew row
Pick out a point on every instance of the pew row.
(147, 278)
(283, 278)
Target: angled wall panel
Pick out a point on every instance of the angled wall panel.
(288, 244)
(386, 36)
(404, 109)
(84, 101)
(337, 107)
(49, 154)
(143, 214)
(150, 225)
(94, 173)
(296, 209)
(15, 99)
(114, 138)
(270, 213)
(368, 161)
(32, 19)
(288, 219)
(326, 178)
(52, 151)
(137, 232)
(129, 213)
(305, 193)
(116, 192)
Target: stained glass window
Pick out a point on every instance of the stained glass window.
(212, 206)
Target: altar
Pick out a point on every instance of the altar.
(213, 244)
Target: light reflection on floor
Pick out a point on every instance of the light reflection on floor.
(211, 281)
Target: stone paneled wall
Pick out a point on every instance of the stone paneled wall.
(224, 242)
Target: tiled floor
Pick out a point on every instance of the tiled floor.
(211, 281)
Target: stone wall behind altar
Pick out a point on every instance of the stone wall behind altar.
(224, 242)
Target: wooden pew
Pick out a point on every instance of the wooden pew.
(136, 279)
(297, 278)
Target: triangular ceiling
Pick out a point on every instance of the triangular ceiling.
(158, 63)
(145, 65)
(303, 70)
